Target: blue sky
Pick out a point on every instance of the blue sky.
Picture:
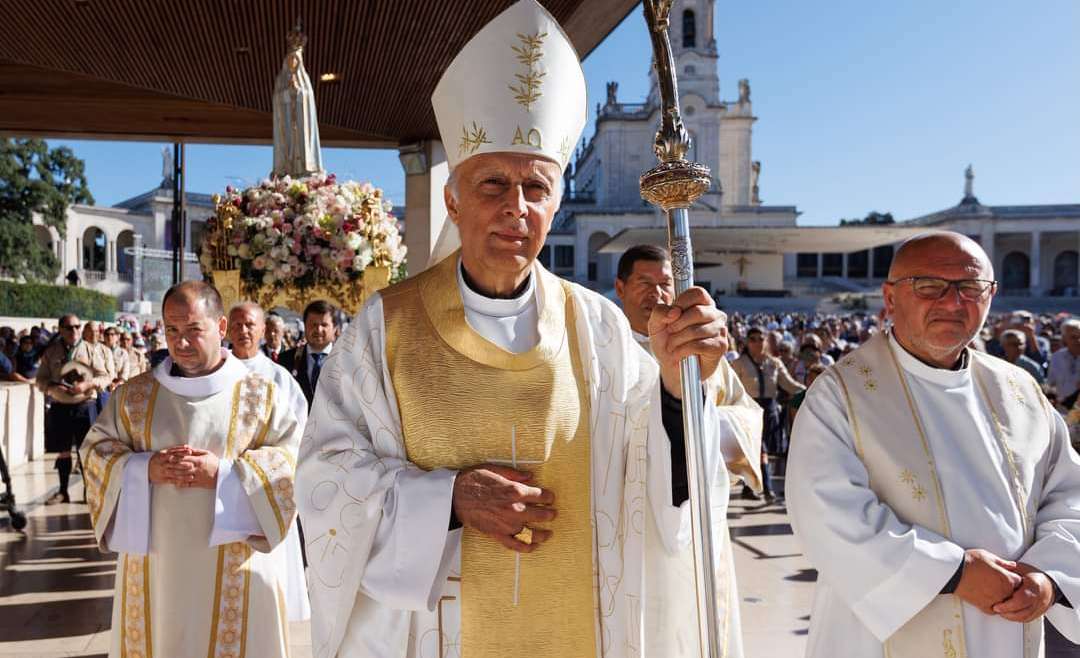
(862, 106)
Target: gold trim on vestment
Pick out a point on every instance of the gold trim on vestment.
(230, 441)
(446, 314)
(135, 636)
(464, 401)
(1017, 484)
(146, 608)
(228, 631)
(940, 498)
(268, 489)
(96, 478)
(148, 443)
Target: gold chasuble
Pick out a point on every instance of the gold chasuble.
(465, 401)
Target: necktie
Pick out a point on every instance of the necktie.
(317, 357)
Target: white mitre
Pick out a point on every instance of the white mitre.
(516, 87)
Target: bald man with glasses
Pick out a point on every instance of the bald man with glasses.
(933, 486)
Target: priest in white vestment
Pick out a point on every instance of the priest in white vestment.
(189, 477)
(933, 486)
(486, 470)
(643, 280)
(247, 325)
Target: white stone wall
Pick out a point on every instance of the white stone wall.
(759, 271)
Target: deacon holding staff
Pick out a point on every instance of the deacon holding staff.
(487, 470)
(189, 474)
(933, 486)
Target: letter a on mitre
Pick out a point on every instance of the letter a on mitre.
(516, 87)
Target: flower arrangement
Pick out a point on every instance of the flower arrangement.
(289, 233)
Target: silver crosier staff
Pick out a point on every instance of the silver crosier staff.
(673, 185)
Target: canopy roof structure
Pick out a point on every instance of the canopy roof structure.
(203, 70)
(785, 240)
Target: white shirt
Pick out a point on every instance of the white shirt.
(1063, 373)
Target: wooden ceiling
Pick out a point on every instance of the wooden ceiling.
(203, 70)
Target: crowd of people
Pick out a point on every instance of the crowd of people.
(778, 355)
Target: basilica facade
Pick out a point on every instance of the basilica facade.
(602, 195)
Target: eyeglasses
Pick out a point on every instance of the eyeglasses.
(932, 287)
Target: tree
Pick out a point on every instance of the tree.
(873, 217)
(35, 179)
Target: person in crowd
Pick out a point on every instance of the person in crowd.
(274, 344)
(1063, 375)
(764, 376)
(72, 373)
(1013, 344)
(121, 362)
(26, 360)
(7, 368)
(321, 324)
(137, 363)
(932, 486)
(811, 352)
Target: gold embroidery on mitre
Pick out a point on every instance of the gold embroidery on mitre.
(529, 53)
(471, 141)
(523, 138)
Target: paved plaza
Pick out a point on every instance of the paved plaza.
(56, 586)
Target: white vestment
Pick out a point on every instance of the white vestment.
(378, 544)
(878, 572)
(292, 560)
(194, 574)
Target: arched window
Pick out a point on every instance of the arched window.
(124, 260)
(1066, 270)
(689, 29)
(690, 69)
(1016, 271)
(93, 245)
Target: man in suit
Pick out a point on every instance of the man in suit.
(274, 337)
(305, 362)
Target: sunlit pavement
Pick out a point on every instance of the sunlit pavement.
(56, 586)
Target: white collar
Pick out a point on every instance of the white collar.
(193, 387)
(250, 363)
(496, 308)
(940, 376)
(640, 338)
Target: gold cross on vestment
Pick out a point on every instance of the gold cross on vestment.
(514, 462)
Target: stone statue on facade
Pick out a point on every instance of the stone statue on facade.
(297, 151)
(755, 174)
(167, 163)
(744, 91)
(969, 182)
(612, 93)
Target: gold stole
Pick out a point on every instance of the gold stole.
(464, 401)
(891, 442)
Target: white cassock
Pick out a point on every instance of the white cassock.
(386, 571)
(673, 574)
(896, 468)
(292, 560)
(195, 576)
